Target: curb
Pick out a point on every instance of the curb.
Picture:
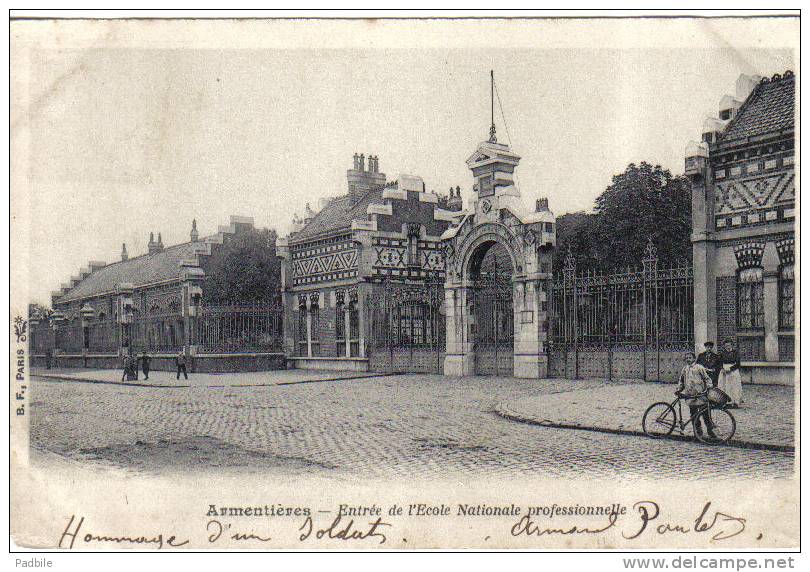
(104, 381)
(749, 445)
(75, 379)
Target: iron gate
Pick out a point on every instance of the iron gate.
(493, 325)
(407, 327)
(628, 325)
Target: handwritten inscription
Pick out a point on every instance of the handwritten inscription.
(365, 523)
(215, 530)
(344, 530)
(71, 534)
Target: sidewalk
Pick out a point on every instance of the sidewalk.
(766, 420)
(169, 379)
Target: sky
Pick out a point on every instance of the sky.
(124, 141)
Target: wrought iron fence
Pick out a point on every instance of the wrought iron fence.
(239, 328)
(407, 327)
(648, 310)
(103, 336)
(163, 332)
(41, 337)
(69, 336)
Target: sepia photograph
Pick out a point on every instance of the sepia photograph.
(404, 283)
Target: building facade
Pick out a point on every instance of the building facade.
(389, 277)
(346, 264)
(743, 217)
(155, 303)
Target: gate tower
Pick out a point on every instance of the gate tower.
(498, 231)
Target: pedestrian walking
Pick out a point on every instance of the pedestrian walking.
(711, 361)
(145, 365)
(180, 361)
(730, 380)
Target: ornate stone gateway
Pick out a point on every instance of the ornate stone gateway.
(498, 274)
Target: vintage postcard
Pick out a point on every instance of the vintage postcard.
(373, 283)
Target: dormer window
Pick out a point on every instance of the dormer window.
(725, 115)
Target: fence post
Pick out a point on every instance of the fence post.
(570, 278)
(650, 267)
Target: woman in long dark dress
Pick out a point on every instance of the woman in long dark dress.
(730, 380)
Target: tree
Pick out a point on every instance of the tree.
(40, 311)
(244, 269)
(643, 203)
(575, 231)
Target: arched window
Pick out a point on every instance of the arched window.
(750, 315)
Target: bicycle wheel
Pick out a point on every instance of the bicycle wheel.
(659, 420)
(723, 427)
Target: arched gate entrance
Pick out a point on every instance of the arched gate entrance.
(493, 323)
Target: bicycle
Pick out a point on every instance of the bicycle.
(660, 420)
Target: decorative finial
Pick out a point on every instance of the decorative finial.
(492, 137)
(160, 240)
(570, 262)
(151, 237)
(650, 253)
(124, 253)
(194, 234)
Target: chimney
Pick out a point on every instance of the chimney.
(124, 254)
(454, 202)
(309, 214)
(541, 205)
(195, 236)
(361, 181)
(155, 246)
(297, 224)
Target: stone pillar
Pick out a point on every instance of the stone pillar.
(703, 249)
(192, 277)
(770, 307)
(459, 358)
(530, 359)
(705, 293)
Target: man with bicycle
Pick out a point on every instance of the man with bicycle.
(693, 384)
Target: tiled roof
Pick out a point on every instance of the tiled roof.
(768, 109)
(141, 270)
(338, 214)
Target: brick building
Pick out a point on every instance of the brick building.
(382, 238)
(389, 277)
(155, 303)
(743, 219)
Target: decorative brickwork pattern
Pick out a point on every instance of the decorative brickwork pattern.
(749, 255)
(726, 307)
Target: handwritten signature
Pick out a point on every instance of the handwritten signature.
(722, 525)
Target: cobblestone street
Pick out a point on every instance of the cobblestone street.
(411, 426)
